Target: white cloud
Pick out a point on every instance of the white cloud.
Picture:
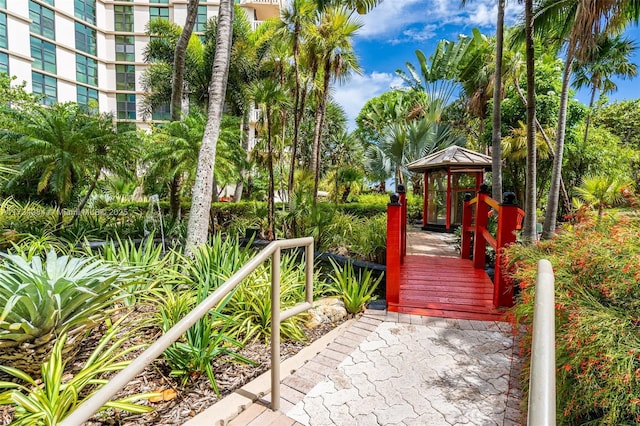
(390, 21)
(353, 94)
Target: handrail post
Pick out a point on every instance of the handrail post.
(506, 235)
(402, 191)
(542, 382)
(394, 211)
(467, 217)
(480, 242)
(275, 330)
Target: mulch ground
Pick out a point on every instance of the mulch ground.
(186, 400)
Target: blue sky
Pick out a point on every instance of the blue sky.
(393, 31)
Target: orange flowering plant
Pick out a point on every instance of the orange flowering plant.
(597, 271)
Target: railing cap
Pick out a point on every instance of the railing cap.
(484, 188)
(394, 200)
(401, 189)
(509, 199)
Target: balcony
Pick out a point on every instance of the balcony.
(254, 24)
(264, 9)
(254, 115)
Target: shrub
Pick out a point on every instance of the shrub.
(49, 400)
(355, 290)
(208, 338)
(597, 267)
(250, 307)
(42, 300)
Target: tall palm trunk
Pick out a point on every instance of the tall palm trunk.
(198, 227)
(271, 195)
(530, 219)
(179, 59)
(587, 121)
(496, 135)
(317, 132)
(563, 190)
(548, 231)
(297, 110)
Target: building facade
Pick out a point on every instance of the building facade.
(92, 50)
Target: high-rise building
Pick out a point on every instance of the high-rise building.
(83, 50)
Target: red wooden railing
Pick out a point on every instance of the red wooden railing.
(509, 220)
(396, 242)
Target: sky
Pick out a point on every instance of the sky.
(395, 29)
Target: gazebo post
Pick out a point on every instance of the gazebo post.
(448, 219)
(425, 200)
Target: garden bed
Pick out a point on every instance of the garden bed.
(183, 402)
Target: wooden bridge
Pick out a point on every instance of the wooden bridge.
(426, 276)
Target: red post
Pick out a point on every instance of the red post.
(448, 220)
(403, 229)
(506, 234)
(425, 201)
(479, 242)
(394, 225)
(467, 217)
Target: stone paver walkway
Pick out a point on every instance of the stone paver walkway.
(395, 369)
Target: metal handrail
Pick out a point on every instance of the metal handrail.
(542, 382)
(119, 381)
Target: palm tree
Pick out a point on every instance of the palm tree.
(179, 59)
(268, 95)
(601, 191)
(198, 227)
(579, 23)
(331, 40)
(439, 75)
(172, 152)
(609, 58)
(530, 220)
(361, 6)
(294, 18)
(496, 136)
(64, 146)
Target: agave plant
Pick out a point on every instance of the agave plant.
(355, 290)
(42, 300)
(48, 401)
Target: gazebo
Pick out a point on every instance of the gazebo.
(448, 175)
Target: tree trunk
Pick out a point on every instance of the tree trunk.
(179, 58)
(198, 227)
(297, 111)
(174, 196)
(587, 121)
(551, 213)
(271, 195)
(84, 200)
(563, 190)
(496, 135)
(530, 219)
(317, 132)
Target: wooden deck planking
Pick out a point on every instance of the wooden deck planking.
(446, 287)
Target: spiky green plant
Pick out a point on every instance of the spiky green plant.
(48, 401)
(250, 307)
(42, 300)
(355, 289)
(208, 338)
(146, 257)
